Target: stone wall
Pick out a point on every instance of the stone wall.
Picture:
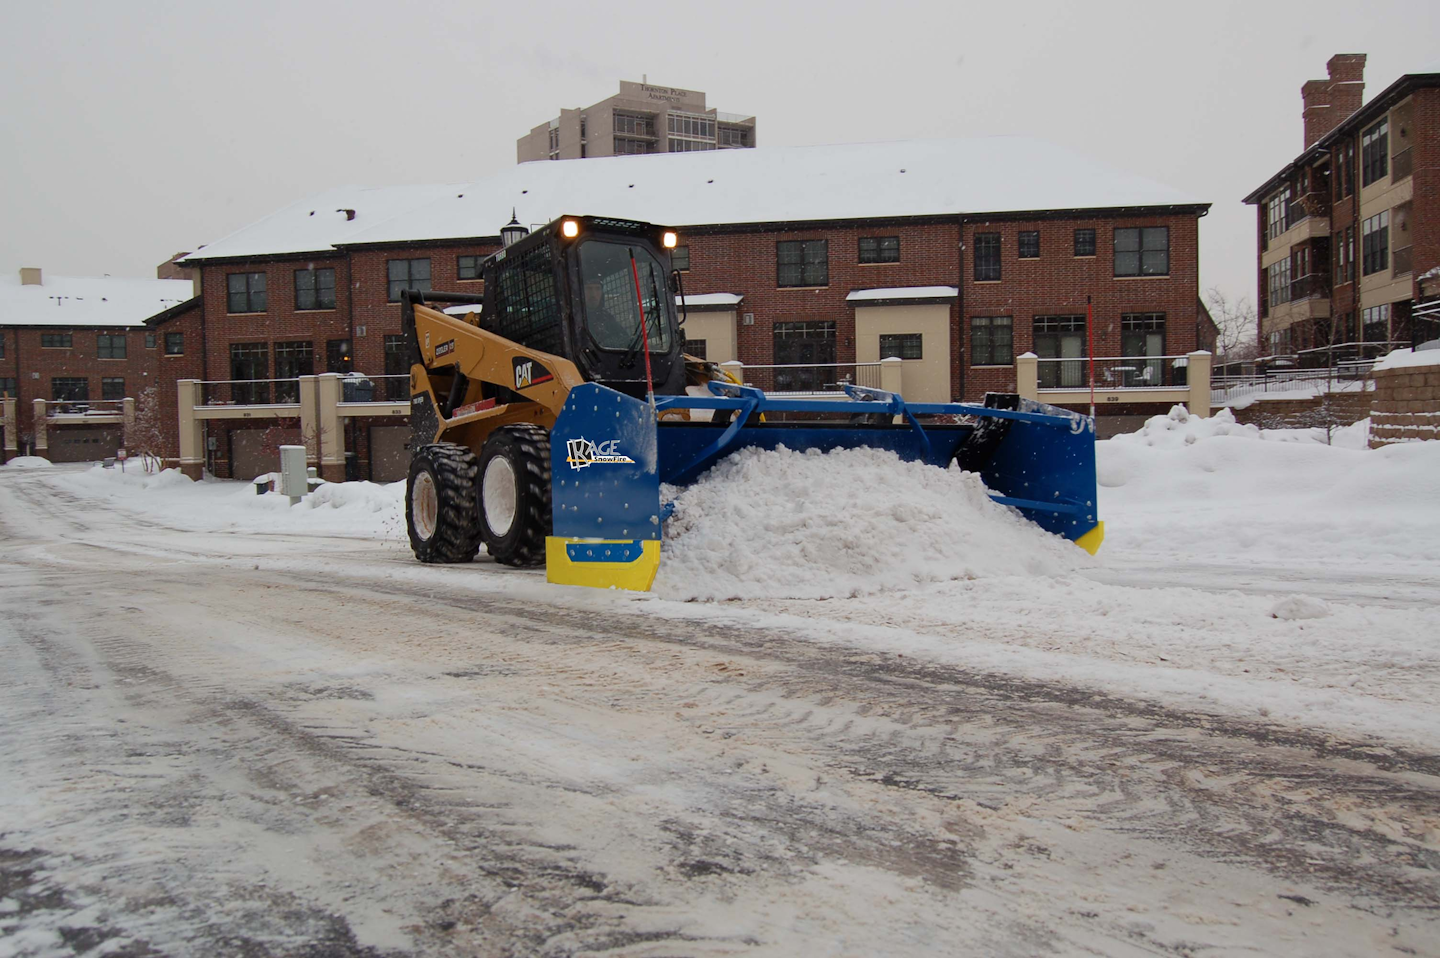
(1406, 406)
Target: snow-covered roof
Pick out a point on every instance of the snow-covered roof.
(88, 301)
(320, 223)
(711, 299)
(903, 292)
(762, 185)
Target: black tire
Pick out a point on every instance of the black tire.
(514, 481)
(443, 519)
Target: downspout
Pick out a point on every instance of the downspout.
(960, 306)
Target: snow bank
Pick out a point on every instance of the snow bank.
(785, 524)
(1214, 487)
(364, 509)
(28, 462)
(1405, 358)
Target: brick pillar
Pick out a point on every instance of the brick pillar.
(12, 428)
(42, 440)
(332, 439)
(127, 423)
(1027, 376)
(192, 436)
(1197, 374)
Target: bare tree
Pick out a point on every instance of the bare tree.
(148, 435)
(1235, 324)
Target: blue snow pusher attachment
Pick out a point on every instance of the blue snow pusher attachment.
(611, 453)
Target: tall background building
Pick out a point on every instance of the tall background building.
(641, 118)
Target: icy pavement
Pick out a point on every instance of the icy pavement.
(236, 727)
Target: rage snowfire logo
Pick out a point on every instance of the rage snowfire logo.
(583, 452)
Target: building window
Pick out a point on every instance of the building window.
(1142, 252)
(1084, 242)
(56, 340)
(397, 368)
(802, 263)
(635, 124)
(2, 347)
(315, 289)
(1276, 210)
(110, 347)
(292, 360)
(695, 347)
(1278, 283)
(628, 146)
(1029, 244)
(987, 257)
(1344, 172)
(734, 136)
(1375, 243)
(901, 346)
(1345, 255)
(245, 293)
(249, 361)
(690, 146)
(1060, 338)
(412, 274)
(879, 249)
(1377, 323)
(680, 258)
(1375, 153)
(149, 340)
(991, 341)
(338, 358)
(112, 387)
(468, 267)
(174, 344)
(810, 347)
(70, 389)
(1142, 335)
(555, 142)
(8, 388)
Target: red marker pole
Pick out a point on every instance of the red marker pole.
(1090, 349)
(644, 330)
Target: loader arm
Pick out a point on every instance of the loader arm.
(465, 381)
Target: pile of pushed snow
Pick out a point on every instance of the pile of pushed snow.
(358, 497)
(1179, 428)
(784, 524)
(29, 462)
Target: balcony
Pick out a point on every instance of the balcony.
(1400, 165)
(1400, 261)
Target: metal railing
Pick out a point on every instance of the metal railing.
(250, 392)
(812, 379)
(1401, 165)
(1113, 372)
(84, 407)
(1342, 377)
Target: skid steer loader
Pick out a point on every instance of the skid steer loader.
(546, 414)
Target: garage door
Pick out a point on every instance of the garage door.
(252, 455)
(389, 457)
(82, 443)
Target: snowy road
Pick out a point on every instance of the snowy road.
(226, 744)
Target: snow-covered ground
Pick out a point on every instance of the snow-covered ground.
(884, 717)
(1266, 575)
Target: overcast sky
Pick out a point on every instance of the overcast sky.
(134, 130)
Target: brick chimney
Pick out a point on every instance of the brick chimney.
(1328, 103)
(30, 276)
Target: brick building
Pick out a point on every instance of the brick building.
(641, 118)
(1349, 229)
(81, 346)
(955, 255)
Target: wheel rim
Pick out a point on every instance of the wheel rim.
(498, 493)
(424, 505)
